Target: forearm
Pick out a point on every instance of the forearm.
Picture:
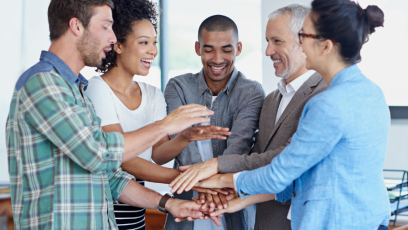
(238, 163)
(148, 171)
(169, 149)
(250, 200)
(138, 141)
(217, 181)
(237, 204)
(227, 180)
(137, 195)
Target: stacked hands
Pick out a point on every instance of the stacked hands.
(216, 192)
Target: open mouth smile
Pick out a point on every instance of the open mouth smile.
(217, 69)
(147, 62)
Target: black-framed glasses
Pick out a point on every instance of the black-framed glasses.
(303, 35)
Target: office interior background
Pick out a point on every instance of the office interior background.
(25, 33)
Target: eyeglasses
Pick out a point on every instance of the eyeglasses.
(303, 35)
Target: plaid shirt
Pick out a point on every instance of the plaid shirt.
(64, 170)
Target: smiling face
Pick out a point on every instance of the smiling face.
(97, 37)
(136, 55)
(283, 49)
(218, 50)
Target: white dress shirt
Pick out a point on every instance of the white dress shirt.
(287, 91)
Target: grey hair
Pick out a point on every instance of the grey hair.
(296, 13)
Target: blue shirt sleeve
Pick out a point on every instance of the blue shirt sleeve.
(320, 129)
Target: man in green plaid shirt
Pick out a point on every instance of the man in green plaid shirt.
(64, 170)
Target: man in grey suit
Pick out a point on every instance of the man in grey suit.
(279, 116)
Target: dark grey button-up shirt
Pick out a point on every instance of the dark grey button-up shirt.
(237, 107)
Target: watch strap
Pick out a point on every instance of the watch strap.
(163, 201)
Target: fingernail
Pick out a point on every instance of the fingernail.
(225, 206)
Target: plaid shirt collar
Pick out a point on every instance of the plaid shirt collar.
(63, 69)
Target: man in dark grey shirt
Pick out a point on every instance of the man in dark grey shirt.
(235, 100)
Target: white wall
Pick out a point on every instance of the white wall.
(24, 35)
(397, 152)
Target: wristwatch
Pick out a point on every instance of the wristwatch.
(163, 201)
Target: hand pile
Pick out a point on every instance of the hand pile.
(214, 194)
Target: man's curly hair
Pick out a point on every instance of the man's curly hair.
(125, 14)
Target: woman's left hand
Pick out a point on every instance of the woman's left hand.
(200, 133)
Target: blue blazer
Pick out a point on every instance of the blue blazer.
(335, 158)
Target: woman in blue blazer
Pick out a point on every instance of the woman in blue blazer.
(332, 169)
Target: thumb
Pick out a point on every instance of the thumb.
(196, 132)
(184, 168)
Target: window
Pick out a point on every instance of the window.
(384, 56)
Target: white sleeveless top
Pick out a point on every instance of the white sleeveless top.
(111, 110)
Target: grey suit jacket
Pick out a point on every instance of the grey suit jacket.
(270, 141)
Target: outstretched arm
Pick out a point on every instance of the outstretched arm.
(218, 181)
(148, 171)
(320, 128)
(142, 168)
(166, 150)
(180, 119)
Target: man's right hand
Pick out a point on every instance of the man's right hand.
(189, 210)
(184, 209)
(184, 117)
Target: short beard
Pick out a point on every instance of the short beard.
(88, 49)
(293, 66)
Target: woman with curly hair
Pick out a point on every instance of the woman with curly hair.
(125, 105)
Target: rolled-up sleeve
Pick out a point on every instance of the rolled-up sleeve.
(49, 104)
(118, 181)
(320, 129)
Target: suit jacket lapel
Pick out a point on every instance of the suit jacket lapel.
(273, 110)
(269, 123)
(301, 93)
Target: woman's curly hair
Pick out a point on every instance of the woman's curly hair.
(125, 14)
